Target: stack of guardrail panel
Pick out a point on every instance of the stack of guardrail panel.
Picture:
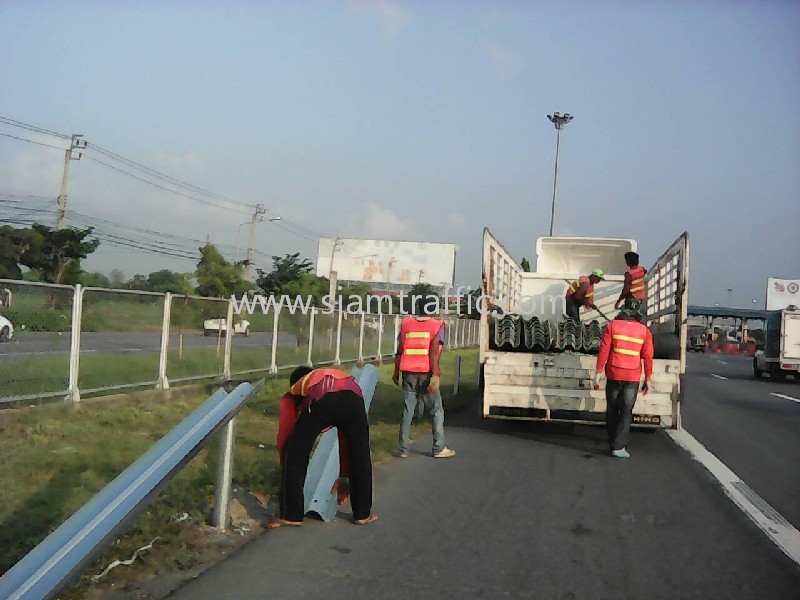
(508, 331)
(536, 334)
(592, 334)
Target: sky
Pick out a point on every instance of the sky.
(422, 121)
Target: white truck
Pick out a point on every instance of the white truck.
(781, 354)
(531, 377)
(218, 327)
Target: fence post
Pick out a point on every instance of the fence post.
(224, 475)
(396, 333)
(75, 344)
(311, 335)
(229, 334)
(337, 359)
(457, 375)
(380, 338)
(163, 382)
(273, 367)
(449, 334)
(361, 341)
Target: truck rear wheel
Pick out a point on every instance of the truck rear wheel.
(756, 371)
(776, 373)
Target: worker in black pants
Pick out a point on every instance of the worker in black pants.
(318, 400)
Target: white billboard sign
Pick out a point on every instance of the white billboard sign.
(782, 292)
(386, 261)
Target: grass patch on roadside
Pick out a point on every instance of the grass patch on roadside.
(56, 458)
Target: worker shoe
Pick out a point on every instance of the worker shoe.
(399, 454)
(444, 453)
(620, 453)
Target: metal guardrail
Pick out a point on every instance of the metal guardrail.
(53, 564)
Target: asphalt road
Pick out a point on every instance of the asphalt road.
(39, 344)
(530, 510)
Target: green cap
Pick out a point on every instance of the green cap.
(598, 273)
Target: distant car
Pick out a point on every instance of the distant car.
(697, 343)
(218, 327)
(6, 329)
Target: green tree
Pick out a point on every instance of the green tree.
(216, 277)
(425, 296)
(16, 244)
(286, 270)
(59, 249)
(137, 282)
(94, 280)
(526, 266)
(168, 281)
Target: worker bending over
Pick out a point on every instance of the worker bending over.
(581, 293)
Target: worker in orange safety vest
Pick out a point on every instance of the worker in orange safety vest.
(634, 290)
(581, 293)
(419, 349)
(317, 400)
(626, 345)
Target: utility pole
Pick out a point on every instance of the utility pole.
(257, 216)
(560, 122)
(74, 144)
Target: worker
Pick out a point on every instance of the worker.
(633, 291)
(419, 349)
(581, 293)
(317, 400)
(625, 345)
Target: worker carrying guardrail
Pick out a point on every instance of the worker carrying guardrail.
(634, 289)
(317, 400)
(625, 345)
(581, 293)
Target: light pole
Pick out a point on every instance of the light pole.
(560, 122)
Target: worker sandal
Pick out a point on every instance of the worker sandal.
(444, 453)
(620, 453)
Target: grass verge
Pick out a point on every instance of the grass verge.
(57, 458)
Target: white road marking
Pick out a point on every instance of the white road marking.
(785, 397)
(723, 362)
(718, 376)
(774, 526)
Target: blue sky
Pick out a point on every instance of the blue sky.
(425, 121)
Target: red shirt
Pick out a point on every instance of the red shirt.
(289, 410)
(607, 345)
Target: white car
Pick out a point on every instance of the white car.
(217, 327)
(6, 329)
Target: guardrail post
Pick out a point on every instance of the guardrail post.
(380, 338)
(311, 336)
(224, 476)
(163, 382)
(273, 367)
(229, 334)
(75, 344)
(337, 359)
(457, 375)
(361, 340)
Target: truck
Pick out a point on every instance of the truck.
(218, 327)
(538, 365)
(781, 353)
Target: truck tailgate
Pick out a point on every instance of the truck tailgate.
(790, 341)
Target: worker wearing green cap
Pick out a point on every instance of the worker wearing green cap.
(581, 293)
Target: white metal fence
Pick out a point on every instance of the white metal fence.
(73, 340)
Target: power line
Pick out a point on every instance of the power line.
(14, 137)
(29, 127)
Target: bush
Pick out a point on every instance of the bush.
(39, 319)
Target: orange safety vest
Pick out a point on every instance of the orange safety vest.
(416, 337)
(637, 289)
(305, 383)
(627, 341)
(577, 284)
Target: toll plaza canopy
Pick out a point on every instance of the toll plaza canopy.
(724, 312)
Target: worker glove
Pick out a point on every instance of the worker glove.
(596, 382)
(433, 386)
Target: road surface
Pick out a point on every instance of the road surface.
(530, 510)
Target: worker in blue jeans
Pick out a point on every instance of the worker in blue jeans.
(419, 348)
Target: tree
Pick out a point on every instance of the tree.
(138, 282)
(94, 280)
(526, 266)
(286, 269)
(59, 249)
(426, 296)
(168, 281)
(16, 245)
(117, 278)
(216, 277)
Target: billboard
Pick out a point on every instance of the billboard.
(386, 261)
(782, 292)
